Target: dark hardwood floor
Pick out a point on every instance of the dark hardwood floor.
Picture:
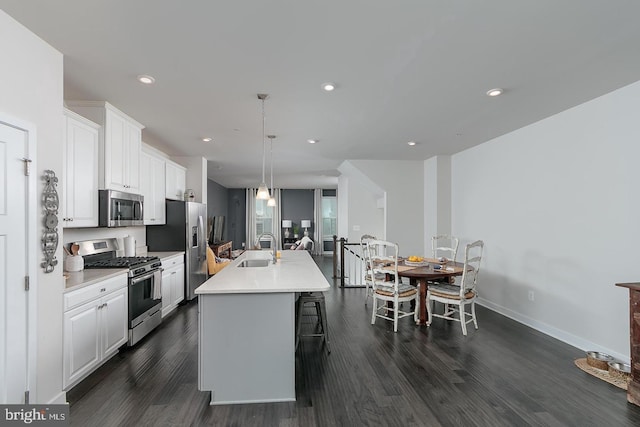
(503, 374)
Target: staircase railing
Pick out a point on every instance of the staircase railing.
(348, 263)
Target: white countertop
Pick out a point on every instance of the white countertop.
(79, 279)
(295, 271)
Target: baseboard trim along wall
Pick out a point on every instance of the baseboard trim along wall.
(546, 329)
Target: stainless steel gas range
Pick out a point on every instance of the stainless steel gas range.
(145, 283)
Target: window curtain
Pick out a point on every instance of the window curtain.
(318, 246)
(250, 225)
(277, 214)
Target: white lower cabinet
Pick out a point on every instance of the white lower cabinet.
(95, 326)
(172, 283)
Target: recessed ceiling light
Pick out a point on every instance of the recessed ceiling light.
(207, 139)
(328, 86)
(411, 143)
(312, 141)
(146, 79)
(494, 92)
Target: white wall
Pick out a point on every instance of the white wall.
(358, 211)
(557, 204)
(31, 90)
(437, 198)
(343, 205)
(403, 184)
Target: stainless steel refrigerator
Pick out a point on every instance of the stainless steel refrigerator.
(185, 230)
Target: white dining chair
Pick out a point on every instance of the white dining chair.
(367, 275)
(384, 263)
(445, 246)
(455, 296)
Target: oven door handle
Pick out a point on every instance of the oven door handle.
(145, 277)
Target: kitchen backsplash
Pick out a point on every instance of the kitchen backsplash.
(77, 234)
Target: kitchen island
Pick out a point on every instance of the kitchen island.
(246, 347)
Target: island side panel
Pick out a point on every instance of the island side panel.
(246, 352)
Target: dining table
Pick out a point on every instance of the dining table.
(428, 271)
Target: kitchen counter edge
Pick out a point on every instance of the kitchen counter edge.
(295, 271)
(79, 279)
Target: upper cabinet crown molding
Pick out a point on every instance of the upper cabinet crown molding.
(120, 145)
(153, 151)
(95, 106)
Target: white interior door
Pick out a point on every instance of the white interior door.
(13, 265)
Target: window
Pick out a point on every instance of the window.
(264, 218)
(329, 216)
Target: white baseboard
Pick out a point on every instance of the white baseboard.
(60, 399)
(564, 336)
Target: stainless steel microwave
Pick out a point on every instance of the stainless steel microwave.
(118, 209)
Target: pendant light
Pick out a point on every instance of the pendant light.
(263, 190)
(272, 199)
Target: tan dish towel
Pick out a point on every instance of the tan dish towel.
(157, 285)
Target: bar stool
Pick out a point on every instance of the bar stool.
(317, 299)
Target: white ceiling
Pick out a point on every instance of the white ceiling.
(405, 70)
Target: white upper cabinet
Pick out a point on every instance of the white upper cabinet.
(120, 143)
(123, 139)
(176, 181)
(152, 183)
(80, 172)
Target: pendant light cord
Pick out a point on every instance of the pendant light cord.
(264, 120)
(271, 149)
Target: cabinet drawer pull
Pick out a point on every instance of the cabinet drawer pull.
(103, 289)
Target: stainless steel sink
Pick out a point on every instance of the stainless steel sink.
(254, 263)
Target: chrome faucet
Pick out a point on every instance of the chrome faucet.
(273, 247)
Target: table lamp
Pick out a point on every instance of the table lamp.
(286, 224)
(306, 223)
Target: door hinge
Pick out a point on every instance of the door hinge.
(26, 397)
(26, 283)
(26, 165)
